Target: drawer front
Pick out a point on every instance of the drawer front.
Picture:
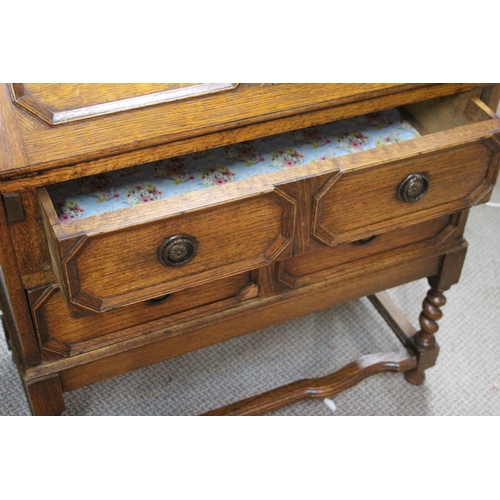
(61, 335)
(114, 262)
(370, 200)
(414, 181)
(328, 263)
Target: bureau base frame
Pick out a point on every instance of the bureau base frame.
(45, 384)
(421, 350)
(413, 361)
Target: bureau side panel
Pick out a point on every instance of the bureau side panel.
(13, 302)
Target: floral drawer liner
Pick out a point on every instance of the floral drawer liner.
(164, 178)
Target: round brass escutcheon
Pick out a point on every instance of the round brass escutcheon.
(177, 250)
(413, 187)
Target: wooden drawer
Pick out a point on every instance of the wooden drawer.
(112, 259)
(115, 259)
(362, 255)
(452, 166)
(61, 335)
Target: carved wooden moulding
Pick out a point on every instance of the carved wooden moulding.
(57, 103)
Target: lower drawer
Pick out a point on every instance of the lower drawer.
(327, 263)
(59, 334)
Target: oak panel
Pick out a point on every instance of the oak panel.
(458, 153)
(58, 103)
(103, 269)
(342, 259)
(47, 146)
(451, 188)
(61, 335)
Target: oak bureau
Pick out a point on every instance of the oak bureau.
(143, 221)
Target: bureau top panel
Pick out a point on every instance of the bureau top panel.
(49, 125)
(59, 103)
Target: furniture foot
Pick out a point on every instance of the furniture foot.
(321, 387)
(424, 341)
(415, 377)
(45, 396)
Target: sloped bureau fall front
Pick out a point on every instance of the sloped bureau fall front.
(143, 221)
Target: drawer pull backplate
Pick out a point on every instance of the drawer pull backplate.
(413, 188)
(177, 250)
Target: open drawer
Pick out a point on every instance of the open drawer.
(117, 256)
(452, 166)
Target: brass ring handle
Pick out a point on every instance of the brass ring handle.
(177, 250)
(413, 187)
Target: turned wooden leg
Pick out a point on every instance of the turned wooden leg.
(424, 341)
(45, 396)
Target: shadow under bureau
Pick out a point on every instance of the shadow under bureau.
(143, 221)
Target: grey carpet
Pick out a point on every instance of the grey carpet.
(465, 381)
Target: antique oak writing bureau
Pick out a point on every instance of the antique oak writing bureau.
(142, 221)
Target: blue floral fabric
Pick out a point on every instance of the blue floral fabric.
(165, 178)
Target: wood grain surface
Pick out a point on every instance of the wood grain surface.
(90, 299)
(46, 146)
(58, 103)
